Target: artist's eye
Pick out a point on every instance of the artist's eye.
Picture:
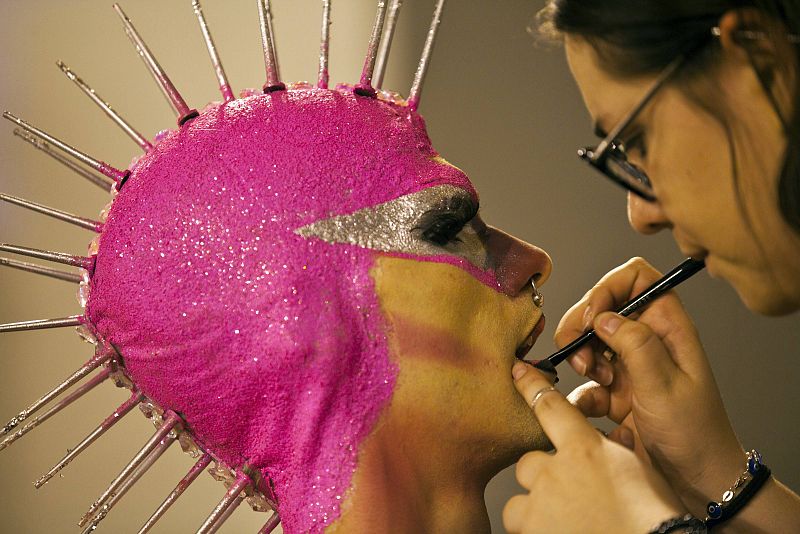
(441, 226)
(633, 147)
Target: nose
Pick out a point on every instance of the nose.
(646, 217)
(516, 262)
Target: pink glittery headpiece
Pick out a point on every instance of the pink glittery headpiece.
(257, 348)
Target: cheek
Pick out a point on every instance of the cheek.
(415, 338)
(690, 163)
(435, 311)
(485, 275)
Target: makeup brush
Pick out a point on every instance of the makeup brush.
(677, 275)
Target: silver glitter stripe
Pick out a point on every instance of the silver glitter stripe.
(393, 227)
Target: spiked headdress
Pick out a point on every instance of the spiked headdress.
(243, 482)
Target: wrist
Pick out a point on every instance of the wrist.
(741, 492)
(714, 476)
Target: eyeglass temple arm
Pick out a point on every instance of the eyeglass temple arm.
(625, 122)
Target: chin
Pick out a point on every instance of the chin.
(526, 433)
(768, 301)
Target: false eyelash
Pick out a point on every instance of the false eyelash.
(442, 226)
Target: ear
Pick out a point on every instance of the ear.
(730, 24)
(760, 40)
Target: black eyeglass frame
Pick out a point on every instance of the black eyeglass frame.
(609, 154)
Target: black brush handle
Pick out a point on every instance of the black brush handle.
(667, 282)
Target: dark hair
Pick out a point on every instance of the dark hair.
(637, 37)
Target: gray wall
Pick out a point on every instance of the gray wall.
(503, 109)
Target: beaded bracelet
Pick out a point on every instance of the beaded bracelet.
(741, 492)
(687, 524)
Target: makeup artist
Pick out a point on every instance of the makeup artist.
(696, 102)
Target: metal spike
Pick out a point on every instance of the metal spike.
(82, 222)
(271, 524)
(115, 174)
(130, 481)
(103, 182)
(424, 61)
(211, 524)
(324, 47)
(272, 38)
(74, 378)
(101, 429)
(60, 405)
(39, 269)
(222, 79)
(228, 513)
(143, 143)
(41, 324)
(386, 43)
(185, 482)
(173, 96)
(171, 420)
(59, 257)
(364, 88)
(274, 82)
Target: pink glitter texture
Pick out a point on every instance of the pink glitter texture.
(271, 346)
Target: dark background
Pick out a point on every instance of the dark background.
(502, 108)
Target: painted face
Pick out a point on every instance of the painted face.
(720, 204)
(236, 276)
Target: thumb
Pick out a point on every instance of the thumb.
(644, 355)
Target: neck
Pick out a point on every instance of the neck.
(403, 484)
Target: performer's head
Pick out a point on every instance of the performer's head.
(291, 271)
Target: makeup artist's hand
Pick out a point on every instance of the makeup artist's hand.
(590, 484)
(660, 388)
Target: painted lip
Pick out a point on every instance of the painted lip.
(696, 253)
(530, 341)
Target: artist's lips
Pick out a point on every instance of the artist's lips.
(527, 345)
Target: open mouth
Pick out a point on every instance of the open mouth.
(526, 346)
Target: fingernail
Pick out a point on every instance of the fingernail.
(519, 370)
(604, 375)
(588, 318)
(609, 323)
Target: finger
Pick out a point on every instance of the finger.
(644, 355)
(613, 290)
(666, 316)
(603, 371)
(561, 421)
(591, 399)
(624, 436)
(621, 284)
(514, 513)
(582, 361)
(528, 467)
(574, 323)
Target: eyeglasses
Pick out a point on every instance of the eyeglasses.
(609, 156)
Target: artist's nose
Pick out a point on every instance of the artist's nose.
(646, 217)
(517, 262)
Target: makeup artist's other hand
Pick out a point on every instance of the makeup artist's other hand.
(660, 389)
(590, 484)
